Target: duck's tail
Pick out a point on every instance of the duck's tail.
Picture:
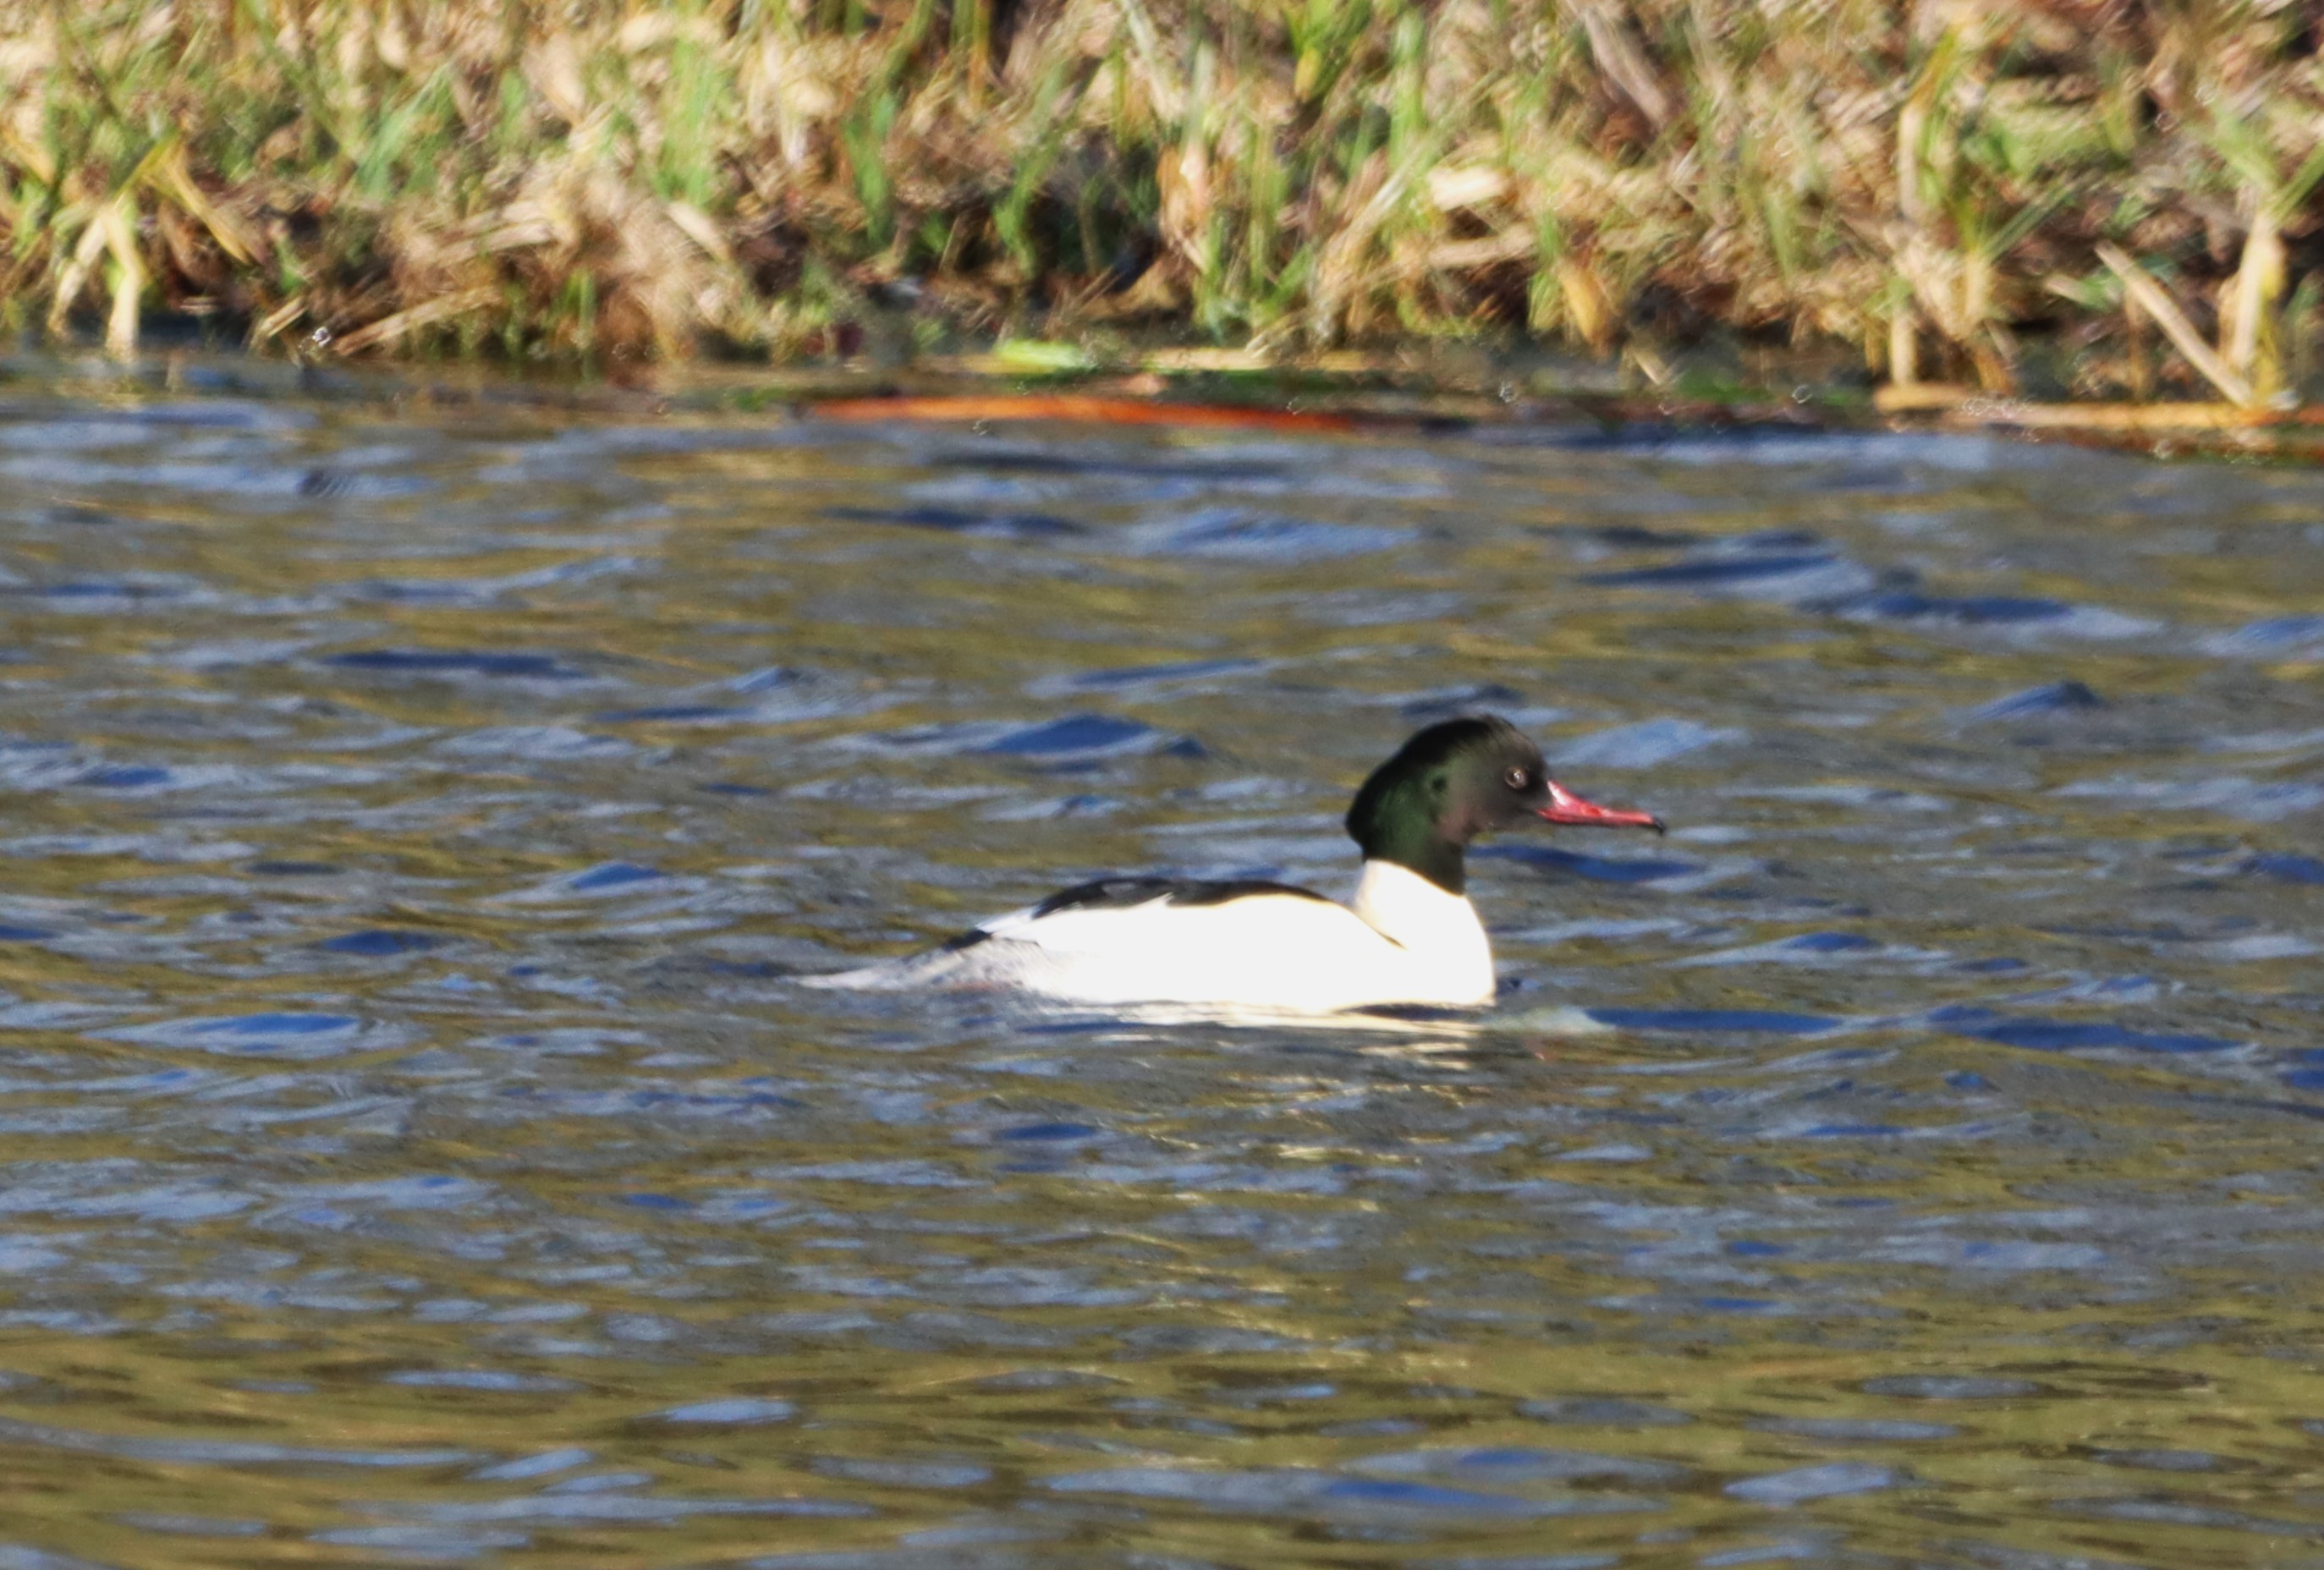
(933, 967)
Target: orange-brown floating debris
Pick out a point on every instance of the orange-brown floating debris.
(1079, 410)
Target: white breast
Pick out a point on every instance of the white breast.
(1438, 929)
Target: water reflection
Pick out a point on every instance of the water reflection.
(418, 1152)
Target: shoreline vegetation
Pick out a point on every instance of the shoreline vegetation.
(2107, 201)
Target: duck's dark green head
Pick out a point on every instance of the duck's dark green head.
(1456, 780)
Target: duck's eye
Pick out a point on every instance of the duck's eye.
(1517, 779)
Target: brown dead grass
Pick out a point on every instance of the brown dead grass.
(1931, 182)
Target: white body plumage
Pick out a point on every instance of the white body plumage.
(1400, 940)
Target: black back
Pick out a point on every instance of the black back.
(1126, 894)
(1122, 893)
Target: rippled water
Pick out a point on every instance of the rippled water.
(414, 1150)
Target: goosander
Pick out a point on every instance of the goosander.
(1408, 937)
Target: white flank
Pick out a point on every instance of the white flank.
(1404, 941)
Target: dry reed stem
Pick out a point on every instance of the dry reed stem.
(2164, 310)
(2139, 417)
(602, 179)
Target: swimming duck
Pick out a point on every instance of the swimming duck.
(1409, 936)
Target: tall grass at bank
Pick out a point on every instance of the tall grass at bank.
(1929, 181)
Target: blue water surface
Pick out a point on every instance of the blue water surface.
(415, 1148)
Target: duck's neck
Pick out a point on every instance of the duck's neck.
(1420, 914)
(1410, 842)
